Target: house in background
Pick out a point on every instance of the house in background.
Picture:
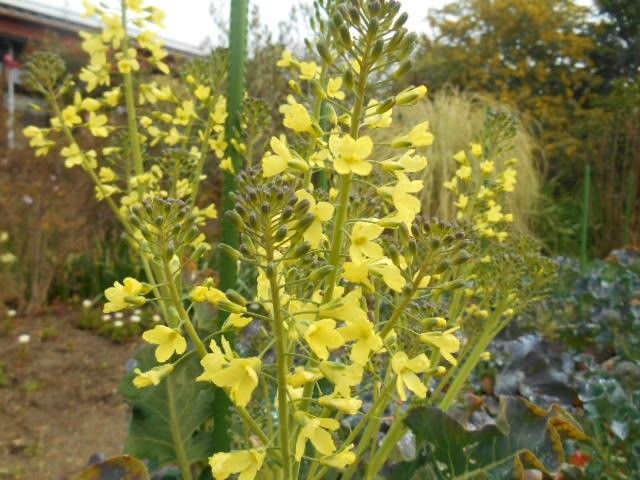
(25, 23)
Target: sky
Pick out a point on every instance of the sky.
(190, 21)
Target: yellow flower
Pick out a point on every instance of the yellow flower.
(461, 157)
(350, 406)
(362, 244)
(494, 214)
(342, 376)
(340, 459)
(323, 211)
(97, 124)
(184, 113)
(464, 172)
(286, 59)
(334, 86)
(419, 136)
(462, 202)
(174, 137)
(38, 140)
(124, 296)
(70, 116)
(112, 97)
(406, 370)
(476, 149)
(202, 92)
(238, 320)
(151, 377)
(239, 375)
(317, 431)
(446, 342)
(308, 70)
(373, 119)
(349, 155)
(275, 163)
(487, 167)
(212, 295)
(135, 5)
(296, 116)
(128, 62)
(322, 337)
(113, 31)
(72, 154)
(508, 179)
(302, 376)
(169, 341)
(246, 463)
(358, 272)
(362, 331)
(407, 205)
(90, 104)
(451, 185)
(105, 191)
(408, 163)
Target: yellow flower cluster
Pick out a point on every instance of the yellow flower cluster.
(480, 186)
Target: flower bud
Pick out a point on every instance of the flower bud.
(345, 37)
(235, 217)
(443, 266)
(401, 20)
(461, 257)
(411, 95)
(434, 322)
(402, 70)
(300, 250)
(305, 222)
(378, 48)
(230, 251)
(235, 297)
(281, 233)
(321, 272)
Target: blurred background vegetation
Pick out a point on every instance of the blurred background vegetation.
(567, 73)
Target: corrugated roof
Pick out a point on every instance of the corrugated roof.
(67, 19)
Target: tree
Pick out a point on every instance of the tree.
(534, 56)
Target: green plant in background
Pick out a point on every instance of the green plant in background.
(169, 132)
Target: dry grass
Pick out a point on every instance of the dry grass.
(457, 119)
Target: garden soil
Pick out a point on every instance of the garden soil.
(59, 401)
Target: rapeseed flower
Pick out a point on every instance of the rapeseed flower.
(169, 341)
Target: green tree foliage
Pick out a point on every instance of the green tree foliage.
(618, 37)
(535, 56)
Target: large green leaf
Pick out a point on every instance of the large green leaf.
(118, 468)
(167, 418)
(524, 437)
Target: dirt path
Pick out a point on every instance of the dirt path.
(59, 404)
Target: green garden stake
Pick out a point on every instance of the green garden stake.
(235, 99)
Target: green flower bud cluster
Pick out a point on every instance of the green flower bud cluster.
(168, 228)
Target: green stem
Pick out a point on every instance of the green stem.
(134, 138)
(335, 255)
(375, 411)
(391, 439)
(176, 437)
(369, 434)
(490, 330)
(281, 365)
(184, 317)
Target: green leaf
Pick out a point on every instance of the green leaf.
(166, 418)
(524, 437)
(118, 468)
